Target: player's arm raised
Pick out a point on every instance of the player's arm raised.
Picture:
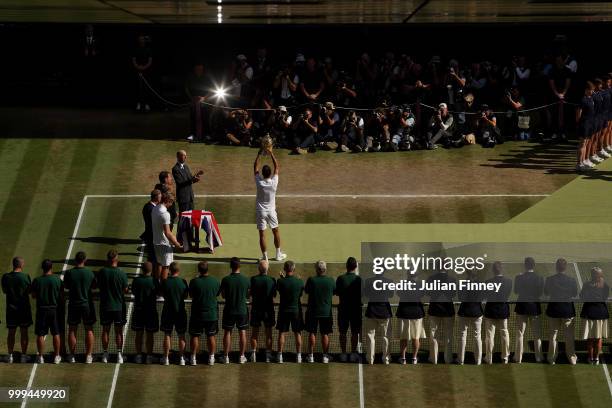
(256, 164)
(275, 162)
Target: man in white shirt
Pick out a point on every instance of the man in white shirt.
(163, 238)
(265, 205)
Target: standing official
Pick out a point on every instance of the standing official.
(441, 316)
(290, 289)
(145, 316)
(470, 318)
(529, 287)
(378, 316)
(561, 290)
(235, 290)
(204, 319)
(48, 292)
(410, 311)
(16, 286)
(174, 315)
(497, 312)
(320, 290)
(183, 179)
(263, 291)
(595, 313)
(147, 235)
(348, 289)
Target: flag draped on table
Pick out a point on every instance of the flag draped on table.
(189, 226)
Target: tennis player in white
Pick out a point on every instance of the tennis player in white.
(265, 206)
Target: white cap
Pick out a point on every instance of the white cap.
(241, 57)
(442, 106)
(282, 108)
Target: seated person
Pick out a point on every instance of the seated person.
(401, 129)
(377, 131)
(440, 127)
(305, 129)
(238, 131)
(467, 119)
(329, 122)
(487, 133)
(280, 127)
(351, 133)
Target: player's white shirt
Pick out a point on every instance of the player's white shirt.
(266, 193)
(160, 217)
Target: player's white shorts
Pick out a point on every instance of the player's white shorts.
(164, 255)
(265, 218)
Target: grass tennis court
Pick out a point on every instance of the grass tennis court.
(46, 182)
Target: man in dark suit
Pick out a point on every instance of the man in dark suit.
(561, 290)
(165, 186)
(529, 287)
(183, 179)
(441, 316)
(497, 312)
(147, 235)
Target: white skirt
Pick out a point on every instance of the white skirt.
(411, 329)
(595, 329)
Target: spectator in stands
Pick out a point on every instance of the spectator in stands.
(561, 291)
(198, 88)
(312, 82)
(441, 127)
(529, 287)
(411, 313)
(348, 290)
(235, 290)
(487, 132)
(320, 290)
(16, 286)
(496, 313)
(305, 128)
(239, 127)
(470, 318)
(378, 315)
(343, 93)
(165, 186)
(147, 235)
(559, 81)
(290, 289)
(351, 133)
(285, 86)
(241, 81)
(263, 291)
(79, 281)
(113, 284)
(144, 315)
(48, 290)
(174, 290)
(455, 83)
(441, 316)
(330, 75)
(204, 319)
(595, 313)
(365, 77)
(517, 123)
(329, 123)
(142, 62)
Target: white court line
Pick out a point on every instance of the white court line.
(335, 195)
(578, 276)
(360, 368)
(607, 374)
(111, 394)
(64, 267)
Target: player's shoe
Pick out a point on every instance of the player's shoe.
(386, 360)
(299, 358)
(225, 360)
(281, 256)
(325, 359)
(193, 361)
(182, 361)
(138, 359)
(149, 360)
(211, 360)
(165, 360)
(603, 153)
(9, 359)
(253, 356)
(588, 163)
(402, 361)
(88, 359)
(243, 359)
(190, 138)
(596, 159)
(57, 359)
(40, 359)
(71, 359)
(608, 149)
(119, 357)
(105, 357)
(415, 360)
(279, 358)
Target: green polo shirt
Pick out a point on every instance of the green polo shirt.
(235, 290)
(79, 282)
(204, 291)
(16, 286)
(320, 290)
(290, 291)
(47, 289)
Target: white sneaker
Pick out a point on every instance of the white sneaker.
(253, 356)
(138, 359)
(211, 360)
(182, 361)
(190, 138)
(415, 360)
(193, 361)
(325, 359)
(281, 257)
(588, 163)
(608, 149)
(88, 359)
(165, 361)
(105, 357)
(604, 154)
(149, 360)
(40, 359)
(57, 359)
(71, 359)
(225, 359)
(310, 358)
(279, 358)
(24, 359)
(119, 358)
(596, 159)
(9, 359)
(243, 359)
(147, 108)
(386, 360)
(299, 358)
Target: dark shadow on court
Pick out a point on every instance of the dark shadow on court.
(552, 159)
(96, 263)
(108, 240)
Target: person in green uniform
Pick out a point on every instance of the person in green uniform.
(113, 284)
(144, 315)
(348, 289)
(290, 289)
(79, 281)
(235, 290)
(204, 319)
(263, 291)
(16, 286)
(174, 316)
(47, 289)
(320, 290)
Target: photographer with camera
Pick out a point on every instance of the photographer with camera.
(455, 82)
(305, 128)
(488, 133)
(279, 127)
(344, 94)
(239, 127)
(329, 123)
(377, 130)
(351, 133)
(284, 86)
(440, 127)
(402, 123)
